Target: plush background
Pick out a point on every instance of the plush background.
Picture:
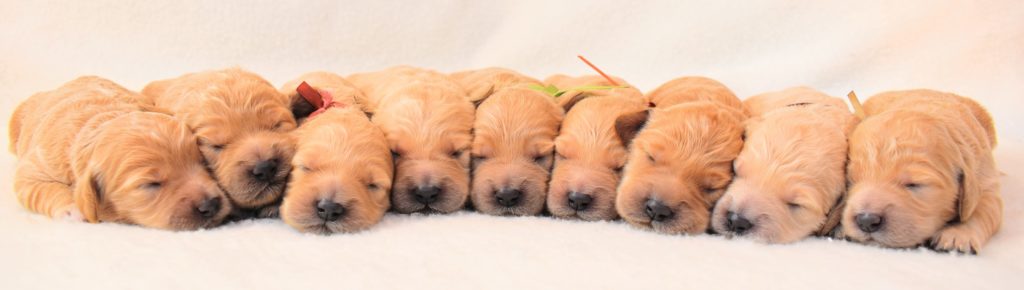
(975, 48)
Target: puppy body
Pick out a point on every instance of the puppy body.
(680, 160)
(242, 123)
(427, 121)
(88, 151)
(790, 174)
(514, 130)
(589, 155)
(921, 169)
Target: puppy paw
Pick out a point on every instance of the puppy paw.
(957, 238)
(272, 211)
(69, 213)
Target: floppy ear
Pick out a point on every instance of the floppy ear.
(833, 217)
(969, 194)
(479, 92)
(87, 193)
(629, 124)
(300, 107)
(570, 98)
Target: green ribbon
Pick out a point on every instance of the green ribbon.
(555, 92)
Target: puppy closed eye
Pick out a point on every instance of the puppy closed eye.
(541, 159)
(372, 186)
(152, 185)
(793, 206)
(913, 186)
(709, 190)
(456, 154)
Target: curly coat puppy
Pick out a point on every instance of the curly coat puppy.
(91, 150)
(427, 121)
(343, 166)
(588, 154)
(513, 141)
(680, 160)
(931, 177)
(790, 174)
(242, 123)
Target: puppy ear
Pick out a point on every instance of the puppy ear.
(87, 193)
(479, 92)
(968, 196)
(833, 217)
(629, 124)
(301, 108)
(570, 98)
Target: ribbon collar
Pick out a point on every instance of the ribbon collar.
(321, 100)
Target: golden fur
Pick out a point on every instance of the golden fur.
(790, 174)
(680, 160)
(90, 151)
(427, 121)
(922, 161)
(588, 154)
(242, 123)
(691, 89)
(340, 158)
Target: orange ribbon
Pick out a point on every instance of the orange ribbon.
(322, 100)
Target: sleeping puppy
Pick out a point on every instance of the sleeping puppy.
(930, 178)
(588, 154)
(242, 123)
(680, 156)
(514, 130)
(92, 150)
(427, 121)
(343, 166)
(790, 174)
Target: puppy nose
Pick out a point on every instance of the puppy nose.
(264, 170)
(426, 194)
(658, 211)
(508, 196)
(737, 224)
(579, 201)
(209, 207)
(329, 210)
(869, 222)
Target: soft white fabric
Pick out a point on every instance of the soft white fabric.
(975, 48)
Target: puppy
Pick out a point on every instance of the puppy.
(427, 121)
(91, 151)
(680, 156)
(790, 175)
(343, 167)
(921, 170)
(588, 154)
(513, 141)
(242, 123)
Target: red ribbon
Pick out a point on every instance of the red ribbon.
(322, 100)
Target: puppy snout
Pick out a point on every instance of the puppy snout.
(265, 170)
(869, 222)
(579, 201)
(508, 197)
(426, 194)
(657, 211)
(209, 207)
(329, 210)
(737, 223)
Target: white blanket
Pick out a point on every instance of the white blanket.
(974, 48)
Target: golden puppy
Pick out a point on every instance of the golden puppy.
(680, 160)
(790, 175)
(427, 121)
(514, 131)
(921, 169)
(242, 123)
(690, 89)
(588, 154)
(88, 151)
(343, 164)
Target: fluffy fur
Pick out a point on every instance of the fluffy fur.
(90, 151)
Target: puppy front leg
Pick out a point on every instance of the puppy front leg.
(51, 198)
(968, 236)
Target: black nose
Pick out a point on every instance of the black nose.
(426, 194)
(658, 211)
(508, 197)
(209, 207)
(329, 210)
(265, 170)
(579, 201)
(869, 222)
(737, 224)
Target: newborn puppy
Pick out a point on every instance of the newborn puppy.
(343, 166)
(790, 174)
(921, 169)
(588, 154)
(242, 123)
(91, 151)
(680, 160)
(513, 145)
(690, 89)
(427, 121)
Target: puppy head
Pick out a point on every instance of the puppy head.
(144, 168)
(512, 151)
(428, 130)
(908, 181)
(679, 164)
(342, 177)
(589, 159)
(788, 177)
(692, 89)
